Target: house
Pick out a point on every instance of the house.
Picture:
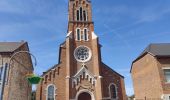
(151, 73)
(14, 67)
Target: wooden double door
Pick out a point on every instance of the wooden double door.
(84, 96)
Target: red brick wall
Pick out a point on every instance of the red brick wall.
(112, 77)
(146, 78)
(164, 62)
(18, 88)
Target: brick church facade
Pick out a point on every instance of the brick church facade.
(80, 73)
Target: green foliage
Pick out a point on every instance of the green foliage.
(33, 79)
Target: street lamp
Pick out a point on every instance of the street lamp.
(32, 78)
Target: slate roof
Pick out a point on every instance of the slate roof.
(10, 46)
(156, 50)
(159, 49)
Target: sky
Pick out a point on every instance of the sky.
(124, 27)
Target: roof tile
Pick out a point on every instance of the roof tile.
(10, 46)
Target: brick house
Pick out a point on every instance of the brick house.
(80, 73)
(13, 82)
(151, 73)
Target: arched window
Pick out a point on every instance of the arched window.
(113, 91)
(78, 33)
(51, 92)
(84, 15)
(78, 17)
(81, 15)
(85, 34)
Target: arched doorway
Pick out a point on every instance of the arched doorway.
(84, 96)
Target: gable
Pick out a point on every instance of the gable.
(142, 61)
(111, 70)
(84, 72)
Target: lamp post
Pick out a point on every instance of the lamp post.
(9, 64)
(32, 78)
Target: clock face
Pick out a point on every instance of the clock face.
(82, 54)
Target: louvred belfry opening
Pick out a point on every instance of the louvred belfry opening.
(80, 20)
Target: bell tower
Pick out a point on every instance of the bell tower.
(80, 19)
(80, 11)
(82, 52)
(80, 73)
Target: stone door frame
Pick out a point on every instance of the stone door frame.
(85, 91)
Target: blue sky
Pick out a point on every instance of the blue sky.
(125, 28)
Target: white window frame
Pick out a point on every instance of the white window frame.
(79, 34)
(116, 91)
(165, 96)
(82, 34)
(86, 15)
(166, 68)
(54, 91)
(78, 9)
(87, 33)
(80, 13)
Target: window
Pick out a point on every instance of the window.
(6, 73)
(82, 34)
(78, 32)
(85, 34)
(82, 54)
(113, 91)
(81, 15)
(167, 75)
(78, 15)
(51, 92)
(1, 72)
(84, 15)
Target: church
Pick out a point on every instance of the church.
(80, 73)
